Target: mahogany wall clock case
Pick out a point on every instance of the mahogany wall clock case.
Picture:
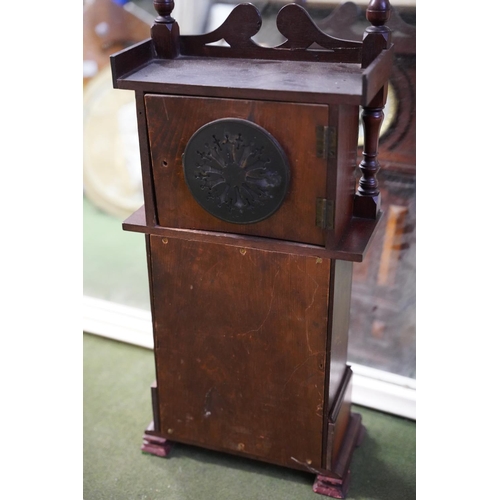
(253, 221)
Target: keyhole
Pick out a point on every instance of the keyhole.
(164, 163)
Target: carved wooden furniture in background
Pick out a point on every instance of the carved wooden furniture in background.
(252, 223)
(111, 164)
(382, 331)
(108, 27)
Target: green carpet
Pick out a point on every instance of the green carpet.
(114, 261)
(117, 408)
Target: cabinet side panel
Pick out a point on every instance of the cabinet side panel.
(346, 161)
(241, 344)
(340, 302)
(147, 173)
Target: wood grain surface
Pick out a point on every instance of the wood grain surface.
(241, 341)
(173, 120)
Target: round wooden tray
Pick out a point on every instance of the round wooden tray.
(111, 161)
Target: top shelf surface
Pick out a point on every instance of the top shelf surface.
(310, 66)
(246, 75)
(237, 77)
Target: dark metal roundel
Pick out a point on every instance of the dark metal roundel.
(236, 170)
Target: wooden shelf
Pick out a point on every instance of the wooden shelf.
(352, 246)
(138, 68)
(203, 76)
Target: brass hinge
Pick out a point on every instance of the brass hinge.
(324, 213)
(326, 142)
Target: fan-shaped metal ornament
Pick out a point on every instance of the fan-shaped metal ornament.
(236, 170)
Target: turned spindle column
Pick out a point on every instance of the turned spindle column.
(165, 30)
(377, 37)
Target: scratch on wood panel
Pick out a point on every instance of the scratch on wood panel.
(165, 108)
(314, 294)
(215, 265)
(319, 410)
(306, 465)
(307, 308)
(310, 305)
(319, 393)
(299, 365)
(252, 261)
(268, 312)
(208, 403)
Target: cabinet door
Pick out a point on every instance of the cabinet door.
(172, 121)
(240, 342)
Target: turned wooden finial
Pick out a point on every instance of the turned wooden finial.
(164, 9)
(377, 37)
(378, 12)
(165, 30)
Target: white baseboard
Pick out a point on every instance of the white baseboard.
(372, 388)
(117, 322)
(384, 391)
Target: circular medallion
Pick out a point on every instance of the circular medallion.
(236, 170)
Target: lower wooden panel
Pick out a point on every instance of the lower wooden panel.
(240, 344)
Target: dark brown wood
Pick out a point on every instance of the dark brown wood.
(377, 37)
(367, 200)
(251, 315)
(147, 174)
(147, 238)
(237, 31)
(336, 379)
(381, 69)
(341, 181)
(376, 40)
(357, 238)
(164, 9)
(270, 80)
(350, 442)
(302, 35)
(352, 246)
(336, 420)
(292, 125)
(342, 55)
(125, 61)
(301, 32)
(336, 486)
(397, 151)
(165, 31)
(330, 80)
(315, 82)
(217, 358)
